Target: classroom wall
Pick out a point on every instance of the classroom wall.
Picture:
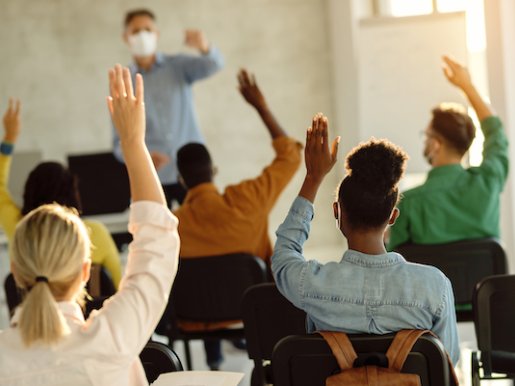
(55, 55)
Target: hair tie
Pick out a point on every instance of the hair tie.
(41, 278)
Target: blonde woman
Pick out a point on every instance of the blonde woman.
(48, 341)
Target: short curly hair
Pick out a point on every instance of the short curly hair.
(370, 190)
(454, 125)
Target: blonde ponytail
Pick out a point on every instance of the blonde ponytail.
(49, 248)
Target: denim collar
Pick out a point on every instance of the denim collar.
(373, 261)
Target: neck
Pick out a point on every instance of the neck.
(368, 242)
(145, 63)
(446, 159)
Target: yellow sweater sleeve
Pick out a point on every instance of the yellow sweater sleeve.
(104, 250)
(10, 214)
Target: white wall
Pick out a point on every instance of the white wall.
(55, 56)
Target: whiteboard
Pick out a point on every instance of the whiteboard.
(400, 76)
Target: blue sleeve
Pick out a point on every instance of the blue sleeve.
(199, 67)
(288, 264)
(445, 325)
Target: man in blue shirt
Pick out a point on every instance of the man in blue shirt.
(170, 114)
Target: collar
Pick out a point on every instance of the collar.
(160, 59)
(199, 190)
(444, 171)
(373, 261)
(70, 310)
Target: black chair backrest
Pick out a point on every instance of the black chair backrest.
(307, 360)
(465, 263)
(103, 183)
(157, 358)
(268, 317)
(210, 289)
(494, 315)
(104, 283)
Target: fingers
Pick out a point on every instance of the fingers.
(140, 89)
(119, 85)
(17, 107)
(126, 75)
(112, 84)
(334, 148)
(109, 100)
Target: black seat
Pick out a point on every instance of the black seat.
(210, 289)
(494, 321)
(307, 360)
(268, 317)
(103, 187)
(157, 358)
(465, 263)
(100, 281)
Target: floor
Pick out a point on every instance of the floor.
(237, 360)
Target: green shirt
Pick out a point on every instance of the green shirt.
(456, 203)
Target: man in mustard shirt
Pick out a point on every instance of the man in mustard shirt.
(214, 223)
(456, 203)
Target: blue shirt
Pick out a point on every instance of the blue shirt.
(372, 294)
(170, 113)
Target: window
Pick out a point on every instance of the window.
(399, 8)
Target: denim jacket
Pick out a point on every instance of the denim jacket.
(372, 294)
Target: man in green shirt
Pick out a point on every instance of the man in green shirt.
(456, 203)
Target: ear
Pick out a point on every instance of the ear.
(393, 217)
(182, 182)
(214, 171)
(86, 270)
(335, 210)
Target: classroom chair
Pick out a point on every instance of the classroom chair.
(157, 358)
(210, 289)
(307, 360)
(494, 323)
(268, 317)
(465, 263)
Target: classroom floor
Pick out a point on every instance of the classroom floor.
(237, 360)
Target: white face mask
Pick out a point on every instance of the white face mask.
(143, 43)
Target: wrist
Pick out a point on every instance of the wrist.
(313, 179)
(11, 139)
(204, 49)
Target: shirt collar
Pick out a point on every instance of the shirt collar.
(373, 261)
(70, 310)
(160, 59)
(199, 190)
(444, 171)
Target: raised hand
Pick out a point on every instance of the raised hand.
(319, 158)
(12, 121)
(195, 38)
(456, 73)
(127, 109)
(250, 90)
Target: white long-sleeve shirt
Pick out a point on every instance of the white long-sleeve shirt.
(104, 349)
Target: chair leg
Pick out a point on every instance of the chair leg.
(257, 378)
(187, 351)
(476, 379)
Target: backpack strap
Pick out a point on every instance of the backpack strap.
(401, 347)
(341, 347)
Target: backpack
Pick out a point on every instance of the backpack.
(373, 375)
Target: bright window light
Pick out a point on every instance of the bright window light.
(476, 150)
(410, 7)
(451, 5)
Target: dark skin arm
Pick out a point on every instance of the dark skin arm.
(252, 94)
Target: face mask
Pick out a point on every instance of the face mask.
(143, 43)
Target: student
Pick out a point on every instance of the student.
(48, 341)
(214, 223)
(369, 290)
(171, 118)
(456, 203)
(49, 182)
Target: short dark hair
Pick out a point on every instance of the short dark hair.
(194, 164)
(50, 182)
(369, 192)
(137, 12)
(455, 126)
